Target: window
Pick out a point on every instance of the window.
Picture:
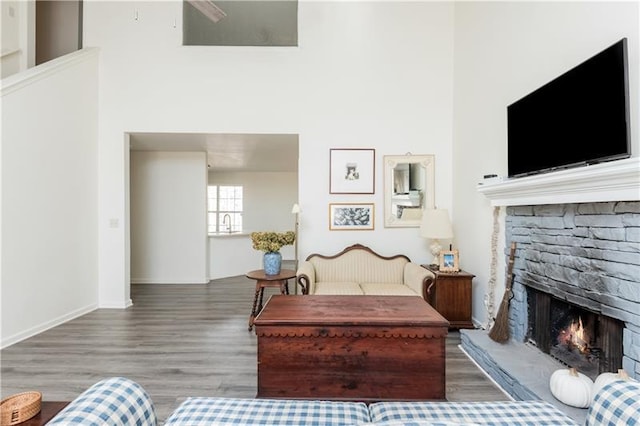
(224, 208)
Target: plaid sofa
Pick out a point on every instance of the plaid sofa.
(119, 401)
(114, 401)
(281, 412)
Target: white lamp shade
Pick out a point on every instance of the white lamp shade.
(295, 209)
(436, 225)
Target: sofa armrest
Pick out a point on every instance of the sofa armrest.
(617, 403)
(306, 277)
(114, 401)
(418, 278)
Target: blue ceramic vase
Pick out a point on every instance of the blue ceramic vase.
(272, 263)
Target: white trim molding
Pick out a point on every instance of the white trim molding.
(6, 342)
(8, 52)
(22, 79)
(116, 305)
(611, 181)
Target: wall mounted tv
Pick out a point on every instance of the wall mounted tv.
(579, 118)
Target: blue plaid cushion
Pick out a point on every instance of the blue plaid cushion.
(508, 413)
(281, 412)
(115, 402)
(616, 404)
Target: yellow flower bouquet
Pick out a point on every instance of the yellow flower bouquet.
(272, 242)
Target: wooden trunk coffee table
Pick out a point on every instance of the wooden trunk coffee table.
(360, 348)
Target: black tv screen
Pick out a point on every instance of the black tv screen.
(579, 118)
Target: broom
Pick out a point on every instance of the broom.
(500, 330)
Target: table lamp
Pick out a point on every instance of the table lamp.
(435, 226)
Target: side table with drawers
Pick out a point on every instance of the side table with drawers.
(451, 294)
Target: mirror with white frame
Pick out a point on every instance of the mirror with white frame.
(408, 189)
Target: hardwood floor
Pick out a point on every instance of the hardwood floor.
(176, 341)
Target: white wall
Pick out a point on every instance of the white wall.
(366, 74)
(49, 174)
(503, 51)
(168, 217)
(17, 36)
(10, 37)
(232, 255)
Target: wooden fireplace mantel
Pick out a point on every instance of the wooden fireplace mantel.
(611, 181)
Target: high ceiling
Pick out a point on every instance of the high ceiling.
(228, 152)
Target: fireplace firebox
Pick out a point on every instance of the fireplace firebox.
(577, 337)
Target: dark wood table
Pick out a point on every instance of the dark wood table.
(48, 410)
(359, 348)
(263, 281)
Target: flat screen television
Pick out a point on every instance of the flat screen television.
(579, 118)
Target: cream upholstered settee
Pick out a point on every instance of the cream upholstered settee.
(359, 270)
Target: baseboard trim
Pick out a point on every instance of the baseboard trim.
(116, 305)
(47, 325)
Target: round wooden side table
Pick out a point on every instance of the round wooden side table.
(262, 281)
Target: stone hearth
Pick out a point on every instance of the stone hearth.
(521, 370)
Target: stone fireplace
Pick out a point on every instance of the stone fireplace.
(577, 271)
(576, 298)
(576, 278)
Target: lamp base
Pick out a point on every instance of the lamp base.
(435, 248)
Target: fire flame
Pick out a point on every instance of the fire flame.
(575, 336)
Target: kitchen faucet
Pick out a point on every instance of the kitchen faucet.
(224, 221)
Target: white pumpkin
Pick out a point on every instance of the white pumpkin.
(605, 378)
(571, 387)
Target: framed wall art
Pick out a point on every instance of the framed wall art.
(352, 171)
(449, 261)
(351, 217)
